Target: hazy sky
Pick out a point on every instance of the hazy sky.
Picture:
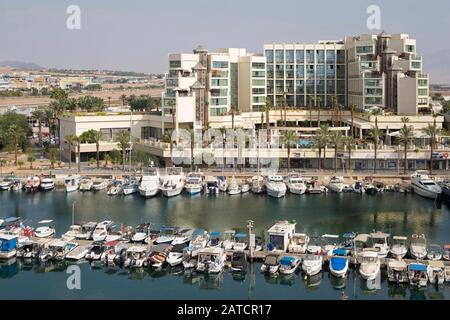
(137, 35)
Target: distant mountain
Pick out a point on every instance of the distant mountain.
(21, 65)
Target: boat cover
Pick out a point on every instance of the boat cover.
(178, 248)
(340, 252)
(287, 261)
(240, 235)
(417, 267)
(8, 242)
(215, 234)
(338, 263)
(350, 235)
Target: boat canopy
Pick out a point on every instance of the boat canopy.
(332, 236)
(271, 260)
(287, 261)
(9, 220)
(417, 267)
(363, 237)
(199, 232)
(230, 232)
(397, 264)
(340, 252)
(45, 221)
(178, 248)
(215, 234)
(400, 238)
(436, 264)
(349, 235)
(161, 247)
(8, 242)
(379, 235)
(240, 235)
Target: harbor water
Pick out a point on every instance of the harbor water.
(394, 213)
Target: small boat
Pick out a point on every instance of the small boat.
(424, 186)
(436, 272)
(149, 186)
(87, 229)
(211, 260)
(7, 182)
(72, 233)
(115, 188)
(159, 254)
(418, 246)
(314, 245)
(313, 188)
(215, 239)
(298, 243)
(445, 188)
(234, 188)
(78, 253)
(177, 255)
(8, 246)
(295, 184)
(257, 184)
(370, 264)
(245, 187)
(223, 185)
(239, 261)
(167, 235)
(173, 182)
(370, 189)
(130, 186)
(329, 243)
(271, 264)
(17, 185)
(312, 264)
(102, 230)
(288, 265)
(113, 252)
(397, 271)
(141, 233)
(28, 250)
(275, 186)
(417, 274)
(72, 183)
(59, 249)
(379, 242)
(95, 252)
(32, 184)
(228, 239)
(86, 184)
(446, 254)
(241, 241)
(99, 185)
(336, 184)
(358, 187)
(45, 230)
(399, 247)
(47, 184)
(348, 242)
(136, 257)
(434, 252)
(211, 185)
(194, 183)
(199, 241)
(183, 236)
(339, 263)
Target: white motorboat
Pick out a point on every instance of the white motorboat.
(130, 186)
(149, 186)
(370, 188)
(257, 184)
(288, 265)
(58, 249)
(434, 252)
(173, 182)
(45, 230)
(418, 246)
(47, 184)
(358, 187)
(200, 239)
(379, 242)
(102, 230)
(141, 233)
(177, 255)
(32, 184)
(245, 187)
(211, 260)
(339, 263)
(399, 247)
(329, 243)
(167, 235)
(87, 229)
(99, 185)
(78, 253)
(370, 264)
(7, 182)
(360, 242)
(298, 243)
(424, 186)
(17, 185)
(312, 187)
(95, 252)
(397, 271)
(314, 245)
(194, 183)
(136, 257)
(275, 187)
(312, 264)
(271, 264)
(234, 187)
(72, 183)
(418, 275)
(86, 184)
(215, 239)
(115, 188)
(447, 273)
(159, 255)
(295, 184)
(73, 232)
(8, 246)
(241, 241)
(436, 272)
(239, 261)
(336, 184)
(223, 184)
(183, 236)
(211, 185)
(228, 239)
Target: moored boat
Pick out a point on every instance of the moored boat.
(194, 183)
(271, 264)
(312, 264)
(417, 274)
(86, 184)
(72, 183)
(424, 186)
(436, 272)
(149, 186)
(47, 183)
(370, 264)
(288, 265)
(173, 182)
(418, 246)
(275, 186)
(339, 263)
(397, 271)
(336, 184)
(399, 247)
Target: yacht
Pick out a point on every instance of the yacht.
(72, 183)
(87, 229)
(72, 233)
(329, 243)
(136, 257)
(257, 184)
(418, 275)
(239, 261)
(130, 186)
(425, 186)
(32, 184)
(358, 187)
(115, 188)
(177, 255)
(312, 187)
(167, 235)
(228, 239)
(234, 187)
(199, 241)
(418, 246)
(223, 185)
(211, 185)
(399, 247)
(17, 185)
(86, 184)
(370, 264)
(159, 254)
(288, 265)
(47, 184)
(245, 187)
(173, 182)
(99, 185)
(434, 252)
(8, 246)
(183, 237)
(336, 184)
(312, 264)
(149, 186)
(446, 254)
(102, 230)
(45, 230)
(194, 184)
(211, 260)
(397, 271)
(275, 187)
(7, 183)
(295, 184)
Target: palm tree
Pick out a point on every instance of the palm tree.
(70, 139)
(109, 102)
(406, 136)
(123, 97)
(352, 112)
(267, 108)
(31, 158)
(232, 112)
(290, 139)
(107, 159)
(432, 131)
(77, 140)
(171, 103)
(333, 105)
(349, 143)
(39, 116)
(319, 100)
(167, 138)
(324, 132)
(375, 134)
(16, 134)
(97, 136)
(319, 141)
(336, 141)
(192, 134)
(310, 110)
(123, 141)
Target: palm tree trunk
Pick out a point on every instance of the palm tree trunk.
(335, 157)
(40, 132)
(79, 157)
(267, 126)
(98, 154)
(376, 155)
(16, 142)
(406, 158)
(310, 116)
(320, 159)
(70, 156)
(349, 159)
(352, 123)
(289, 157)
(123, 159)
(318, 117)
(431, 156)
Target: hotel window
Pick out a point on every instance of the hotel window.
(290, 71)
(320, 71)
(290, 86)
(341, 86)
(279, 85)
(310, 71)
(258, 91)
(364, 49)
(218, 101)
(219, 83)
(423, 92)
(309, 56)
(279, 71)
(270, 71)
(374, 91)
(170, 93)
(410, 48)
(300, 86)
(330, 71)
(340, 54)
(320, 86)
(219, 92)
(341, 99)
(269, 56)
(300, 72)
(290, 100)
(423, 82)
(310, 86)
(279, 56)
(270, 88)
(219, 73)
(300, 56)
(259, 99)
(340, 71)
(331, 57)
(289, 56)
(258, 82)
(373, 100)
(258, 74)
(416, 65)
(173, 73)
(320, 54)
(220, 64)
(258, 65)
(330, 86)
(218, 111)
(300, 101)
(175, 64)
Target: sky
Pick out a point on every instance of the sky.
(137, 35)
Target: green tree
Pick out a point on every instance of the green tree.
(31, 158)
(232, 112)
(167, 138)
(336, 140)
(70, 139)
(97, 136)
(20, 163)
(432, 131)
(290, 139)
(107, 159)
(123, 142)
(77, 140)
(406, 136)
(59, 94)
(16, 134)
(375, 134)
(319, 101)
(54, 155)
(349, 143)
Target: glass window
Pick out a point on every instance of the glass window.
(259, 99)
(279, 84)
(218, 111)
(258, 90)
(270, 88)
(258, 74)
(309, 56)
(258, 82)
(279, 70)
(320, 86)
(218, 101)
(219, 73)
(320, 56)
(300, 86)
(300, 101)
(410, 48)
(175, 63)
(289, 100)
(340, 56)
(331, 57)
(373, 100)
(269, 56)
(423, 82)
(364, 49)
(330, 86)
(289, 56)
(341, 86)
(290, 71)
(300, 71)
(290, 86)
(310, 86)
(320, 71)
(220, 64)
(279, 56)
(300, 56)
(341, 71)
(258, 65)
(270, 71)
(310, 71)
(219, 82)
(219, 92)
(330, 71)
(423, 92)
(416, 65)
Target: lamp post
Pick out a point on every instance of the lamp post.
(251, 237)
